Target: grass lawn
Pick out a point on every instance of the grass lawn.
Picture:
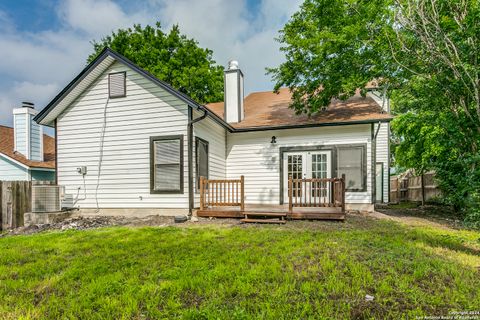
(300, 270)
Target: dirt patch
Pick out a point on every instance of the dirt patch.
(94, 222)
(430, 215)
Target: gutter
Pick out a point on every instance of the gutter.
(191, 122)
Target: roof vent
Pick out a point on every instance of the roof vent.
(26, 104)
(233, 65)
(117, 85)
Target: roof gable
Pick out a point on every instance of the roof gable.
(88, 76)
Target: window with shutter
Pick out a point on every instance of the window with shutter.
(352, 162)
(117, 85)
(201, 156)
(166, 164)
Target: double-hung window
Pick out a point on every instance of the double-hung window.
(166, 164)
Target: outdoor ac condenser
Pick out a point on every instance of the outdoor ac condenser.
(46, 198)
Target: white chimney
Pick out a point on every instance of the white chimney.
(28, 138)
(234, 111)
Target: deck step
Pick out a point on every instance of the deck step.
(262, 221)
(265, 214)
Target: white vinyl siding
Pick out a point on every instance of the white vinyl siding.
(10, 171)
(215, 134)
(20, 133)
(146, 111)
(36, 149)
(382, 155)
(251, 154)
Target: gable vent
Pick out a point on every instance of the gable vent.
(117, 85)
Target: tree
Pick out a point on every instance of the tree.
(171, 57)
(425, 51)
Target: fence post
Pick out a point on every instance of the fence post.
(343, 192)
(242, 193)
(422, 181)
(202, 192)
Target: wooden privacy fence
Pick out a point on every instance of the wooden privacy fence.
(327, 192)
(15, 199)
(222, 193)
(414, 188)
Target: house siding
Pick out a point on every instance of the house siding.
(251, 154)
(10, 171)
(42, 175)
(20, 134)
(147, 110)
(215, 134)
(382, 155)
(36, 151)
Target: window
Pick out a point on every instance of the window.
(166, 164)
(117, 85)
(352, 163)
(201, 156)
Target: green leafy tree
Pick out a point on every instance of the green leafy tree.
(426, 52)
(171, 57)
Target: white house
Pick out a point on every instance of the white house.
(129, 143)
(25, 152)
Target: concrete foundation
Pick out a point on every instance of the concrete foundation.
(32, 218)
(132, 212)
(360, 207)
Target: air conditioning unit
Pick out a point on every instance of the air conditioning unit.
(46, 198)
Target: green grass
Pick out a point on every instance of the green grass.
(301, 270)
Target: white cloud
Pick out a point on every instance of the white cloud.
(98, 17)
(36, 65)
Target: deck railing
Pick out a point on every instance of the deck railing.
(326, 192)
(222, 193)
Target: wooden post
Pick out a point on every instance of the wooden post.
(423, 189)
(202, 193)
(290, 194)
(344, 181)
(242, 193)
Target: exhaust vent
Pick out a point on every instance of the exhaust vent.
(117, 85)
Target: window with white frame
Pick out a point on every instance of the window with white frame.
(166, 164)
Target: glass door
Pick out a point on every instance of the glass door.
(307, 165)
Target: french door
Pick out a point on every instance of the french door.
(307, 165)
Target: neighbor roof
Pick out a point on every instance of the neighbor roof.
(7, 148)
(269, 109)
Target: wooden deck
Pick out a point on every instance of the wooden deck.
(310, 199)
(273, 211)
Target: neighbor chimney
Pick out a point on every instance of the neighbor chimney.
(234, 111)
(28, 134)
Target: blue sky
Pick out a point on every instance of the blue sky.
(44, 44)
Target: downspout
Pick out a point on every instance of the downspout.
(191, 122)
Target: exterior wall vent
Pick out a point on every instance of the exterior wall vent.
(117, 87)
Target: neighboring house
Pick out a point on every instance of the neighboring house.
(151, 142)
(25, 152)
